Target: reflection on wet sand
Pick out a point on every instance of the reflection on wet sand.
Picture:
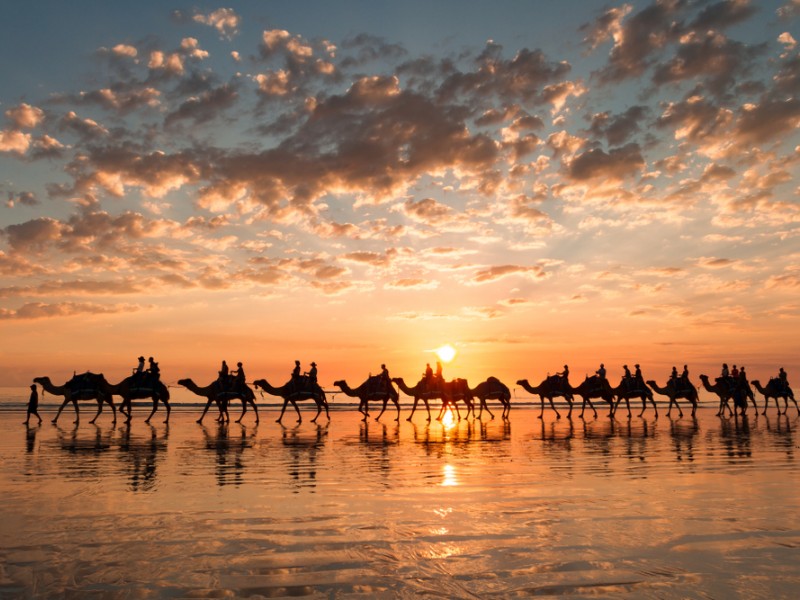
(667, 507)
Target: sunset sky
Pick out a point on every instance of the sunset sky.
(535, 183)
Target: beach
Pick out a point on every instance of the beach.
(703, 507)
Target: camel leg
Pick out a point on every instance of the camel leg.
(99, 410)
(113, 410)
(442, 409)
(152, 412)
(255, 410)
(413, 409)
(297, 410)
(327, 414)
(485, 405)
(553, 406)
(205, 410)
(383, 410)
(397, 405)
(60, 408)
(244, 410)
(169, 410)
(319, 410)
(283, 409)
(569, 414)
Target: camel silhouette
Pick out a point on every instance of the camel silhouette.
(630, 388)
(776, 390)
(594, 387)
(86, 386)
(552, 387)
(492, 389)
(448, 391)
(673, 391)
(214, 392)
(374, 388)
(295, 391)
(137, 387)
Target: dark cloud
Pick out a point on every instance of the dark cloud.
(204, 108)
(616, 164)
(710, 56)
(618, 129)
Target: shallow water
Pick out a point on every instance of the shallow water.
(666, 508)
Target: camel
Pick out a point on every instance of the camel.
(448, 391)
(374, 388)
(215, 393)
(141, 386)
(723, 391)
(595, 387)
(686, 391)
(86, 386)
(454, 391)
(296, 391)
(492, 389)
(630, 388)
(550, 388)
(775, 389)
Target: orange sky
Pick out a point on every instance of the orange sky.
(616, 185)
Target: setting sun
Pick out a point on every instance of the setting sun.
(446, 353)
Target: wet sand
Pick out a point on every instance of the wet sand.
(667, 508)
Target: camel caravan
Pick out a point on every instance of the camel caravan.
(732, 388)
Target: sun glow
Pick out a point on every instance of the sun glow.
(446, 353)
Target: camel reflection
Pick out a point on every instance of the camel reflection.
(684, 438)
(140, 454)
(86, 449)
(379, 440)
(782, 433)
(302, 450)
(228, 443)
(735, 436)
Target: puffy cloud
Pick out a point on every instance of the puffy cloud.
(618, 129)
(224, 20)
(14, 141)
(25, 116)
(768, 120)
(709, 55)
(617, 164)
(125, 50)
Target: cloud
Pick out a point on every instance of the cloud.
(14, 141)
(491, 274)
(25, 116)
(616, 165)
(224, 20)
(204, 108)
(789, 10)
(40, 310)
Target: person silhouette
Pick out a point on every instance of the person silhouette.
(601, 372)
(153, 370)
(312, 374)
(139, 369)
(239, 379)
(33, 405)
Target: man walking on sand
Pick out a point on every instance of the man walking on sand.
(33, 405)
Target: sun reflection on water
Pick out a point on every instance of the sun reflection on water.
(449, 475)
(448, 419)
